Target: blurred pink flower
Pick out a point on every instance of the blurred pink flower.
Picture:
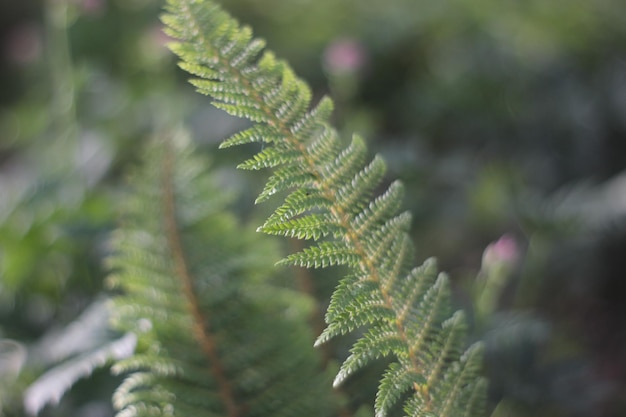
(504, 251)
(152, 46)
(23, 45)
(158, 37)
(344, 56)
(92, 7)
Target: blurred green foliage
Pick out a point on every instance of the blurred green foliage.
(500, 117)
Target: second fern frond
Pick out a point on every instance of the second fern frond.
(213, 337)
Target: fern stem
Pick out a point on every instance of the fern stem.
(351, 237)
(201, 327)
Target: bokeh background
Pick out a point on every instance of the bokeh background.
(506, 120)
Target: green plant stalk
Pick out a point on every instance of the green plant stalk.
(63, 99)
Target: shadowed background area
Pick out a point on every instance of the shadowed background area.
(505, 120)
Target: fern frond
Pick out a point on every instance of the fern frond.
(330, 193)
(212, 338)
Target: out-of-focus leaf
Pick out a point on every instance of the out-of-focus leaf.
(88, 332)
(53, 384)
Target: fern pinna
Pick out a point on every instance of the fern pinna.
(214, 337)
(404, 311)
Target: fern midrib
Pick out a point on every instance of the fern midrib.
(201, 327)
(351, 237)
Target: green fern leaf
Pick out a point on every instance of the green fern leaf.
(271, 157)
(353, 306)
(396, 381)
(285, 179)
(341, 168)
(322, 255)
(212, 339)
(355, 194)
(330, 192)
(257, 133)
(381, 208)
(300, 201)
(377, 342)
(313, 226)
